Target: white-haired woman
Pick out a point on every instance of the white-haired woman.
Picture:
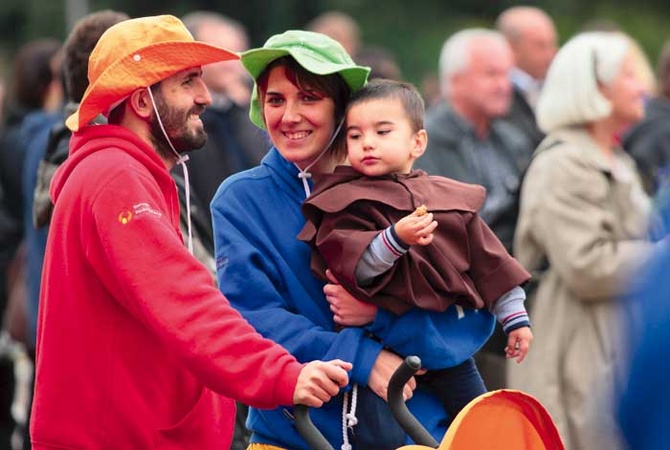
(582, 223)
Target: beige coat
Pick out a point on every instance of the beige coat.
(587, 217)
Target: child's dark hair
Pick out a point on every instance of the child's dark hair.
(380, 88)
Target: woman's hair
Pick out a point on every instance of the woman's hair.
(331, 86)
(571, 93)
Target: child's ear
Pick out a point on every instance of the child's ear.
(420, 142)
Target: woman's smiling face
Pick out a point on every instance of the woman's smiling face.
(300, 123)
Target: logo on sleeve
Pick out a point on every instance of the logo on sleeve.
(139, 209)
(125, 217)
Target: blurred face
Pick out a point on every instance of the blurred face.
(180, 99)
(300, 123)
(626, 94)
(225, 77)
(380, 139)
(483, 89)
(535, 48)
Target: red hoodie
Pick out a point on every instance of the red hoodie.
(136, 349)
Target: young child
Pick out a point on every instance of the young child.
(401, 239)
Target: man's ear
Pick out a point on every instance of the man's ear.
(419, 143)
(140, 103)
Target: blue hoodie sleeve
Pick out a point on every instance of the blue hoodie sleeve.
(446, 338)
(264, 272)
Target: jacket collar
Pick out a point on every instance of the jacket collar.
(285, 174)
(580, 138)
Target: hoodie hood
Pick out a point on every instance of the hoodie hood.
(94, 138)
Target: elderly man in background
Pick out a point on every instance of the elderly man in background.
(468, 141)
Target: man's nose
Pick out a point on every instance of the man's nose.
(203, 96)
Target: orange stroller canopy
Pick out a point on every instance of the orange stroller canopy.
(501, 420)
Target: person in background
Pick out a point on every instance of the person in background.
(400, 239)
(338, 26)
(583, 221)
(234, 144)
(532, 36)
(648, 142)
(33, 100)
(265, 271)
(34, 134)
(469, 141)
(644, 404)
(641, 65)
(381, 61)
(136, 348)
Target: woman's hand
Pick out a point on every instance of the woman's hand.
(385, 365)
(347, 310)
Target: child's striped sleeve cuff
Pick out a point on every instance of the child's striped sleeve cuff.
(510, 310)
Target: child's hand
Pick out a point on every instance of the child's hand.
(518, 343)
(416, 229)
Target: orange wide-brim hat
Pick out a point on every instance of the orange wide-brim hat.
(135, 54)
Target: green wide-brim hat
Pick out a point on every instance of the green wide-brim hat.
(315, 52)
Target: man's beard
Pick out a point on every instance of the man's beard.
(175, 123)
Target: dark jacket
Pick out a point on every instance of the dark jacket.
(522, 116)
(451, 142)
(648, 143)
(233, 144)
(465, 264)
(12, 153)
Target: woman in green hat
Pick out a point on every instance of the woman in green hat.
(303, 81)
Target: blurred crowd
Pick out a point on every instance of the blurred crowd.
(571, 143)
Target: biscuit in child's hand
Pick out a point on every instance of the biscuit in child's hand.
(421, 210)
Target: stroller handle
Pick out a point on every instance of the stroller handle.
(308, 430)
(397, 404)
(407, 421)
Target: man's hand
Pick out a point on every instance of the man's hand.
(385, 365)
(319, 381)
(416, 229)
(347, 310)
(518, 343)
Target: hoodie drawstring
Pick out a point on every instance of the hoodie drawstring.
(304, 174)
(349, 419)
(181, 159)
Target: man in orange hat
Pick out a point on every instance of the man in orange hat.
(136, 347)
